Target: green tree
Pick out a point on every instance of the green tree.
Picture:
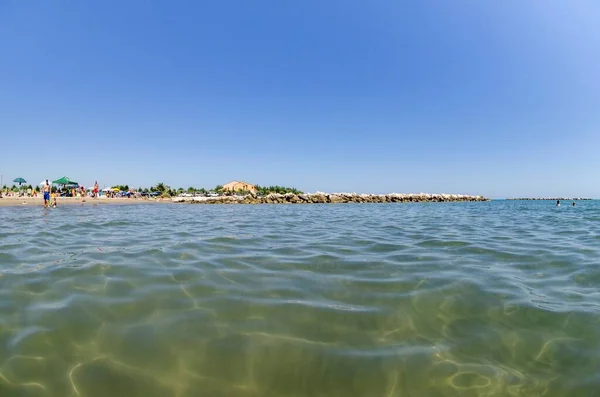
(161, 187)
(264, 190)
(218, 189)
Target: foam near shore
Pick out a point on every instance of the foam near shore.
(333, 198)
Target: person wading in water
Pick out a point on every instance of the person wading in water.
(46, 190)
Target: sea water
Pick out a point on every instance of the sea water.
(438, 299)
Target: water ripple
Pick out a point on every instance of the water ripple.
(448, 299)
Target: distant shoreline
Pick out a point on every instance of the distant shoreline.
(552, 199)
(70, 201)
(289, 198)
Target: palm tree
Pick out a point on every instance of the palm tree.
(160, 187)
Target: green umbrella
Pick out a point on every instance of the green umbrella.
(64, 181)
(19, 181)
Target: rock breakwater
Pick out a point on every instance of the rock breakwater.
(329, 198)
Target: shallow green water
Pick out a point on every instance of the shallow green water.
(464, 299)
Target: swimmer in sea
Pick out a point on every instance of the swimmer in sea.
(573, 203)
(558, 203)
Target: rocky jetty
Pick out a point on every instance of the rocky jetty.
(551, 198)
(333, 198)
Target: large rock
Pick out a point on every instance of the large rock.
(318, 198)
(336, 198)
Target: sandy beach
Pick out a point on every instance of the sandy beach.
(39, 201)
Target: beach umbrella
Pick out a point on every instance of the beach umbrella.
(19, 181)
(64, 181)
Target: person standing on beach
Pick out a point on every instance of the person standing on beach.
(46, 191)
(96, 189)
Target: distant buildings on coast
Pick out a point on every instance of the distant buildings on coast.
(236, 186)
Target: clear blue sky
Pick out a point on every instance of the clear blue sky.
(495, 98)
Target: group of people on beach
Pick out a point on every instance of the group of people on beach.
(47, 192)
